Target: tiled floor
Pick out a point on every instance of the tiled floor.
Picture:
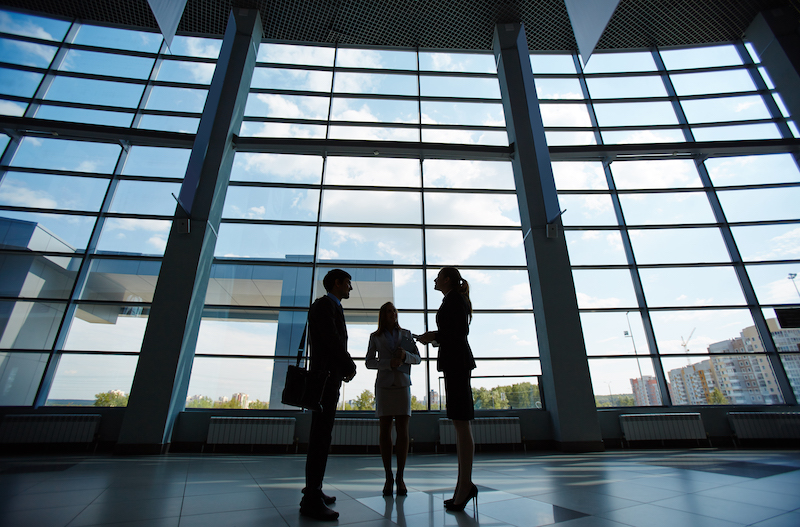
(674, 488)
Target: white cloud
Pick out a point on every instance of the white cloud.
(11, 108)
(403, 277)
(517, 297)
(159, 242)
(16, 194)
(742, 106)
(132, 224)
(586, 301)
(565, 115)
(325, 254)
(505, 331)
(29, 29)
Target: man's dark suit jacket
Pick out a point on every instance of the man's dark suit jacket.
(327, 335)
(452, 321)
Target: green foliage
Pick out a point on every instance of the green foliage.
(365, 401)
(111, 398)
(521, 395)
(610, 401)
(717, 397)
(202, 402)
(259, 405)
(416, 404)
(233, 403)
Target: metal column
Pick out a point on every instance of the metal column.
(161, 381)
(567, 386)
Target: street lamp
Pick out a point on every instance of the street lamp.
(792, 276)
(629, 333)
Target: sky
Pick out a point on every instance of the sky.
(469, 208)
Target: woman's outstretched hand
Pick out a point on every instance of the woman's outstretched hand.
(427, 337)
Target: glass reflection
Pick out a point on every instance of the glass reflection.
(92, 380)
(29, 325)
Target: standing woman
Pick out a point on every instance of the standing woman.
(387, 354)
(456, 362)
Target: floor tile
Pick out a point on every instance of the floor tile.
(50, 516)
(647, 515)
(790, 519)
(586, 501)
(101, 513)
(249, 518)
(775, 500)
(239, 501)
(527, 512)
(722, 509)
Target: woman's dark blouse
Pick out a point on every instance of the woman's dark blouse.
(452, 321)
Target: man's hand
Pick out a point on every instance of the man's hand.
(427, 337)
(352, 374)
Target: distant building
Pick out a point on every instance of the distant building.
(645, 391)
(241, 398)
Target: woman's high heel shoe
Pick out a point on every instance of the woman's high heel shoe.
(453, 506)
(387, 487)
(401, 488)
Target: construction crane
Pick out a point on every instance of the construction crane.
(685, 344)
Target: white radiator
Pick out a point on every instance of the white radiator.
(251, 431)
(356, 432)
(765, 425)
(485, 431)
(666, 426)
(53, 428)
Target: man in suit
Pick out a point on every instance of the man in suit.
(327, 336)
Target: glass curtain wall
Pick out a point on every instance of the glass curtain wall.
(655, 241)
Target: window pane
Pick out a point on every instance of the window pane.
(291, 79)
(352, 244)
(479, 247)
(176, 99)
(25, 53)
(184, 125)
(278, 168)
(595, 209)
(80, 379)
(634, 113)
(655, 174)
(445, 173)
(604, 289)
(121, 281)
(29, 325)
(503, 335)
(552, 63)
(236, 332)
(286, 106)
(477, 137)
(20, 83)
(579, 176)
(45, 232)
(660, 209)
(33, 26)
(489, 289)
(271, 203)
(620, 62)
(725, 109)
(258, 285)
(466, 113)
(595, 248)
(723, 379)
(373, 133)
(178, 71)
(642, 136)
(760, 204)
(34, 276)
(88, 91)
(565, 115)
(48, 191)
(693, 331)
(232, 383)
(374, 58)
(747, 170)
(712, 82)
(570, 138)
(145, 197)
(736, 132)
(264, 241)
(558, 89)
(125, 66)
(196, 46)
(471, 209)
(134, 236)
(614, 333)
(370, 206)
(79, 115)
(21, 374)
(251, 129)
(466, 62)
(700, 57)
(59, 154)
(768, 242)
(628, 382)
(118, 38)
(378, 172)
(345, 82)
(374, 110)
(772, 284)
(106, 328)
(289, 54)
(484, 88)
(657, 246)
(702, 286)
(15, 109)
(622, 87)
(791, 363)
(155, 161)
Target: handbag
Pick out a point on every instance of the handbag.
(303, 387)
